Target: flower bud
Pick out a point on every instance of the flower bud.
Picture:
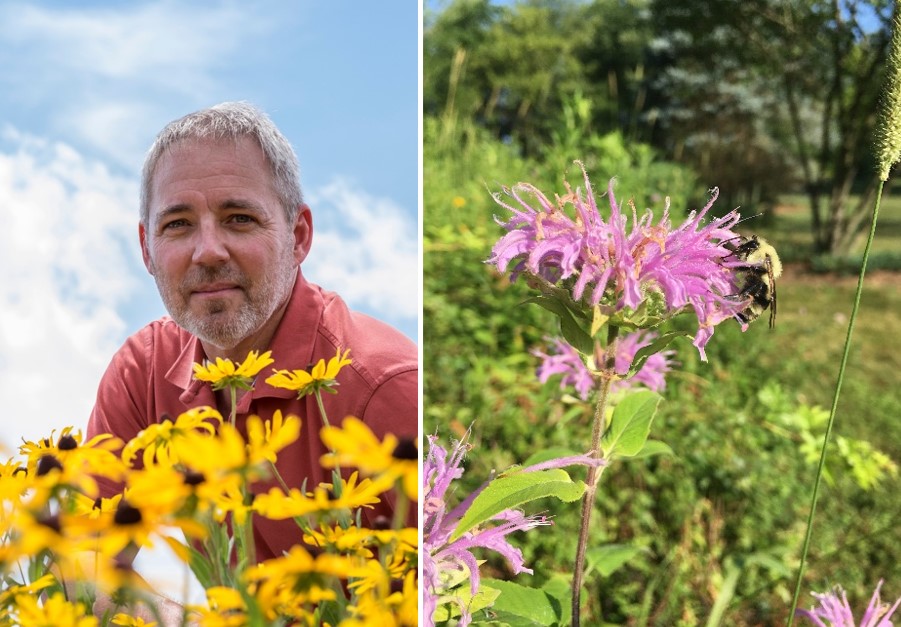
(888, 123)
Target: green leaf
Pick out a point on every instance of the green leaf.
(653, 447)
(202, 568)
(570, 328)
(657, 345)
(609, 557)
(448, 605)
(537, 606)
(509, 491)
(630, 425)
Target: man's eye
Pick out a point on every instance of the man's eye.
(174, 224)
(241, 218)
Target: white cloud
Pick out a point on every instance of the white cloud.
(365, 249)
(67, 222)
(109, 70)
(167, 44)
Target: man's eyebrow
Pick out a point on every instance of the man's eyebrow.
(171, 210)
(239, 203)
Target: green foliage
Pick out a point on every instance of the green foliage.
(511, 491)
(630, 425)
(717, 523)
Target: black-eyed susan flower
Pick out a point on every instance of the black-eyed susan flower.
(76, 461)
(290, 585)
(266, 438)
(225, 608)
(56, 611)
(224, 373)
(321, 377)
(399, 608)
(359, 540)
(160, 441)
(354, 444)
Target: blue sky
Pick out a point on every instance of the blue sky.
(85, 87)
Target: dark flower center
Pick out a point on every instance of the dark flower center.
(126, 514)
(193, 478)
(67, 443)
(406, 450)
(47, 463)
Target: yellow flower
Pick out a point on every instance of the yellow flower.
(223, 373)
(286, 585)
(37, 585)
(357, 540)
(374, 609)
(354, 444)
(77, 462)
(266, 439)
(321, 377)
(56, 611)
(226, 608)
(458, 202)
(161, 440)
(277, 505)
(130, 621)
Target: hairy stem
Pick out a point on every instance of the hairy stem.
(594, 472)
(838, 387)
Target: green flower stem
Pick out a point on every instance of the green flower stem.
(401, 506)
(336, 475)
(343, 518)
(838, 387)
(594, 472)
(278, 477)
(233, 392)
(322, 413)
(247, 553)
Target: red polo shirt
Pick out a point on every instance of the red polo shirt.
(152, 375)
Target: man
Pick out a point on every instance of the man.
(224, 231)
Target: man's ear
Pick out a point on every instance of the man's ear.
(303, 233)
(145, 253)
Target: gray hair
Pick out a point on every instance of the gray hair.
(230, 120)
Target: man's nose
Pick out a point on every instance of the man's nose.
(209, 246)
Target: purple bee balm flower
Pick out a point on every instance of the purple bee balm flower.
(607, 262)
(834, 610)
(567, 361)
(442, 558)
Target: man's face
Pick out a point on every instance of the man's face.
(218, 242)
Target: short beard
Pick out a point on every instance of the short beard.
(215, 326)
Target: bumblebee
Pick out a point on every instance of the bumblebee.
(755, 279)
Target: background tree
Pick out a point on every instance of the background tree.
(760, 98)
(750, 88)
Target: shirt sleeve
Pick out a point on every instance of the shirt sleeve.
(121, 401)
(394, 408)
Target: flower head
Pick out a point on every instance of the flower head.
(322, 376)
(223, 373)
(354, 444)
(638, 272)
(835, 609)
(564, 359)
(888, 123)
(447, 562)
